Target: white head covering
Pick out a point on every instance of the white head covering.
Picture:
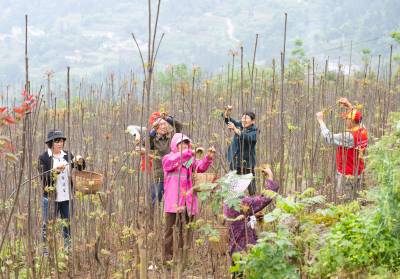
(238, 184)
(135, 130)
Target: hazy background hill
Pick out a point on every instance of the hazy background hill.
(93, 36)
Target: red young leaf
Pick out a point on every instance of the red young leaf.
(9, 119)
(26, 106)
(9, 147)
(19, 110)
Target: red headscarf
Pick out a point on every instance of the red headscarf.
(354, 114)
(153, 117)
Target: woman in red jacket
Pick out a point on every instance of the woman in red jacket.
(350, 147)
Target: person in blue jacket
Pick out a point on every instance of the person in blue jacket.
(241, 153)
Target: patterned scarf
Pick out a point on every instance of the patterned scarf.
(238, 184)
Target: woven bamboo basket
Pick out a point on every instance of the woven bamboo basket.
(87, 182)
(201, 178)
(222, 246)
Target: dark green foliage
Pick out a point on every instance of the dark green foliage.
(337, 240)
(368, 240)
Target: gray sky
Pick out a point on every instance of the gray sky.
(93, 37)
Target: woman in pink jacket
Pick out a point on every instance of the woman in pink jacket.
(180, 201)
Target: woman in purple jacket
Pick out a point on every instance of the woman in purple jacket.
(241, 228)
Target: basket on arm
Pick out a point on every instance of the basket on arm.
(206, 177)
(87, 182)
(203, 178)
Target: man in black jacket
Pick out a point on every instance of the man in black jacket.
(54, 168)
(242, 151)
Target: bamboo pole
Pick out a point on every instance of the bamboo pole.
(282, 117)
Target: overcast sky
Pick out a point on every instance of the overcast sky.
(95, 36)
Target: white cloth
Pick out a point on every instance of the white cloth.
(135, 130)
(238, 184)
(252, 222)
(62, 184)
(344, 139)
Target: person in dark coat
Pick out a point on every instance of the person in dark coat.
(163, 128)
(241, 153)
(54, 167)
